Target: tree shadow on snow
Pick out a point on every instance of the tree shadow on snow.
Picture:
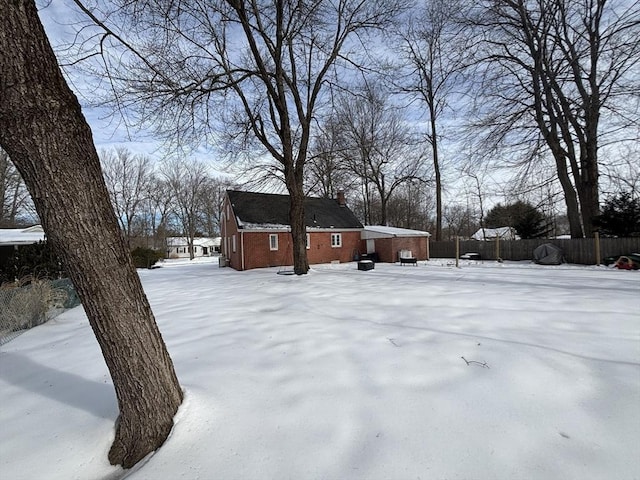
(93, 397)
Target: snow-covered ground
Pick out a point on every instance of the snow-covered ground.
(343, 374)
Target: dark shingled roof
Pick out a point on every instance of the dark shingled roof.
(269, 210)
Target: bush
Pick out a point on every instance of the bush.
(36, 260)
(145, 257)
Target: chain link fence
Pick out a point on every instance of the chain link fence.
(32, 302)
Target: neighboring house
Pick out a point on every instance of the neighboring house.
(503, 233)
(178, 247)
(256, 230)
(386, 243)
(217, 243)
(12, 238)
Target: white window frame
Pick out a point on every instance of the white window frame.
(273, 242)
(308, 241)
(336, 240)
(233, 243)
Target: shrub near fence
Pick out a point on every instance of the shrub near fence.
(579, 250)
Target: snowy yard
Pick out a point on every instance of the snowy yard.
(343, 374)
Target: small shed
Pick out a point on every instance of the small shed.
(386, 243)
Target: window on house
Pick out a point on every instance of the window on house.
(273, 241)
(308, 241)
(233, 243)
(336, 240)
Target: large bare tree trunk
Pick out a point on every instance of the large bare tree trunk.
(436, 168)
(570, 197)
(296, 219)
(589, 186)
(44, 132)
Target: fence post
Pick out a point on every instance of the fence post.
(457, 250)
(596, 236)
(497, 248)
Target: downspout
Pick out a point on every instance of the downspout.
(242, 248)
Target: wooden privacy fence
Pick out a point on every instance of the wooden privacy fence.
(579, 250)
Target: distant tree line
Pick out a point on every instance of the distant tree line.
(172, 197)
(152, 199)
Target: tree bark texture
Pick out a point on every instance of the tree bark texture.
(44, 132)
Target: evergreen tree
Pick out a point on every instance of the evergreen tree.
(528, 221)
(620, 216)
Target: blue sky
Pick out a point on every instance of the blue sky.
(60, 18)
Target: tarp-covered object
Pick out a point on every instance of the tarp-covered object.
(548, 254)
(628, 262)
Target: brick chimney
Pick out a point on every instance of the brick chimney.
(340, 198)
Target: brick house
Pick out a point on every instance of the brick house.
(256, 231)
